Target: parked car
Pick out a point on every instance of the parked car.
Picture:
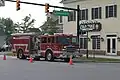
(5, 47)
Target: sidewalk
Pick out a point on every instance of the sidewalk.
(104, 56)
(1, 56)
(7, 52)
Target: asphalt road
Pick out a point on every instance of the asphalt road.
(14, 69)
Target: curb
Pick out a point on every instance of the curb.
(9, 56)
(104, 56)
(109, 62)
(82, 61)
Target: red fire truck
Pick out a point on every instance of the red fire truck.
(50, 47)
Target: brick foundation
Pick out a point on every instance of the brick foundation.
(97, 52)
(118, 53)
(94, 52)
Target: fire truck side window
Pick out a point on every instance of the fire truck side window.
(44, 40)
(52, 39)
(49, 41)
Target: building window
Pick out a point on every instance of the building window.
(83, 43)
(84, 14)
(111, 11)
(96, 42)
(96, 13)
(60, 19)
(72, 16)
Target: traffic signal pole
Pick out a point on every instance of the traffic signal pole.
(43, 5)
(78, 27)
(77, 10)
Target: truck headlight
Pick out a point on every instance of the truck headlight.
(63, 49)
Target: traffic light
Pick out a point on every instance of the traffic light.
(46, 8)
(17, 5)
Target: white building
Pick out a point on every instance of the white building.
(107, 13)
(59, 20)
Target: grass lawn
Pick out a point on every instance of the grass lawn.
(99, 59)
(10, 54)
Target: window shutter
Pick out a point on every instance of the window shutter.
(80, 15)
(100, 12)
(69, 17)
(86, 14)
(74, 16)
(115, 10)
(106, 11)
(92, 13)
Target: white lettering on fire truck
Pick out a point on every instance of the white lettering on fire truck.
(15, 45)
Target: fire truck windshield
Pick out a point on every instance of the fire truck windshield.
(67, 40)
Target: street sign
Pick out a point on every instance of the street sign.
(2, 2)
(61, 13)
(86, 27)
(90, 27)
(52, 16)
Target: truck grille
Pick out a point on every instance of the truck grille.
(70, 49)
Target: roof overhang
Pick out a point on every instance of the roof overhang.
(70, 1)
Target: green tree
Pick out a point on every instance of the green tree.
(1, 28)
(36, 30)
(17, 27)
(26, 24)
(49, 26)
(6, 25)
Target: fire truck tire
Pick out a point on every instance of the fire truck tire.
(49, 56)
(20, 54)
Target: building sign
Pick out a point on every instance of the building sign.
(91, 26)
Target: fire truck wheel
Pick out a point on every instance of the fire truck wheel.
(20, 54)
(49, 56)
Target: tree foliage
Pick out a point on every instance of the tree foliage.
(49, 26)
(26, 23)
(6, 25)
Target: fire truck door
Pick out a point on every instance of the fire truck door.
(36, 43)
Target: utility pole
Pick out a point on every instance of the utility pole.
(87, 45)
(78, 27)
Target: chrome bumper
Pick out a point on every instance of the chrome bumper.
(36, 55)
(66, 54)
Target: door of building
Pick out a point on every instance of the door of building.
(111, 45)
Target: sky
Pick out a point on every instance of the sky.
(37, 12)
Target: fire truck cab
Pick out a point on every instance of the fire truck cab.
(50, 47)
